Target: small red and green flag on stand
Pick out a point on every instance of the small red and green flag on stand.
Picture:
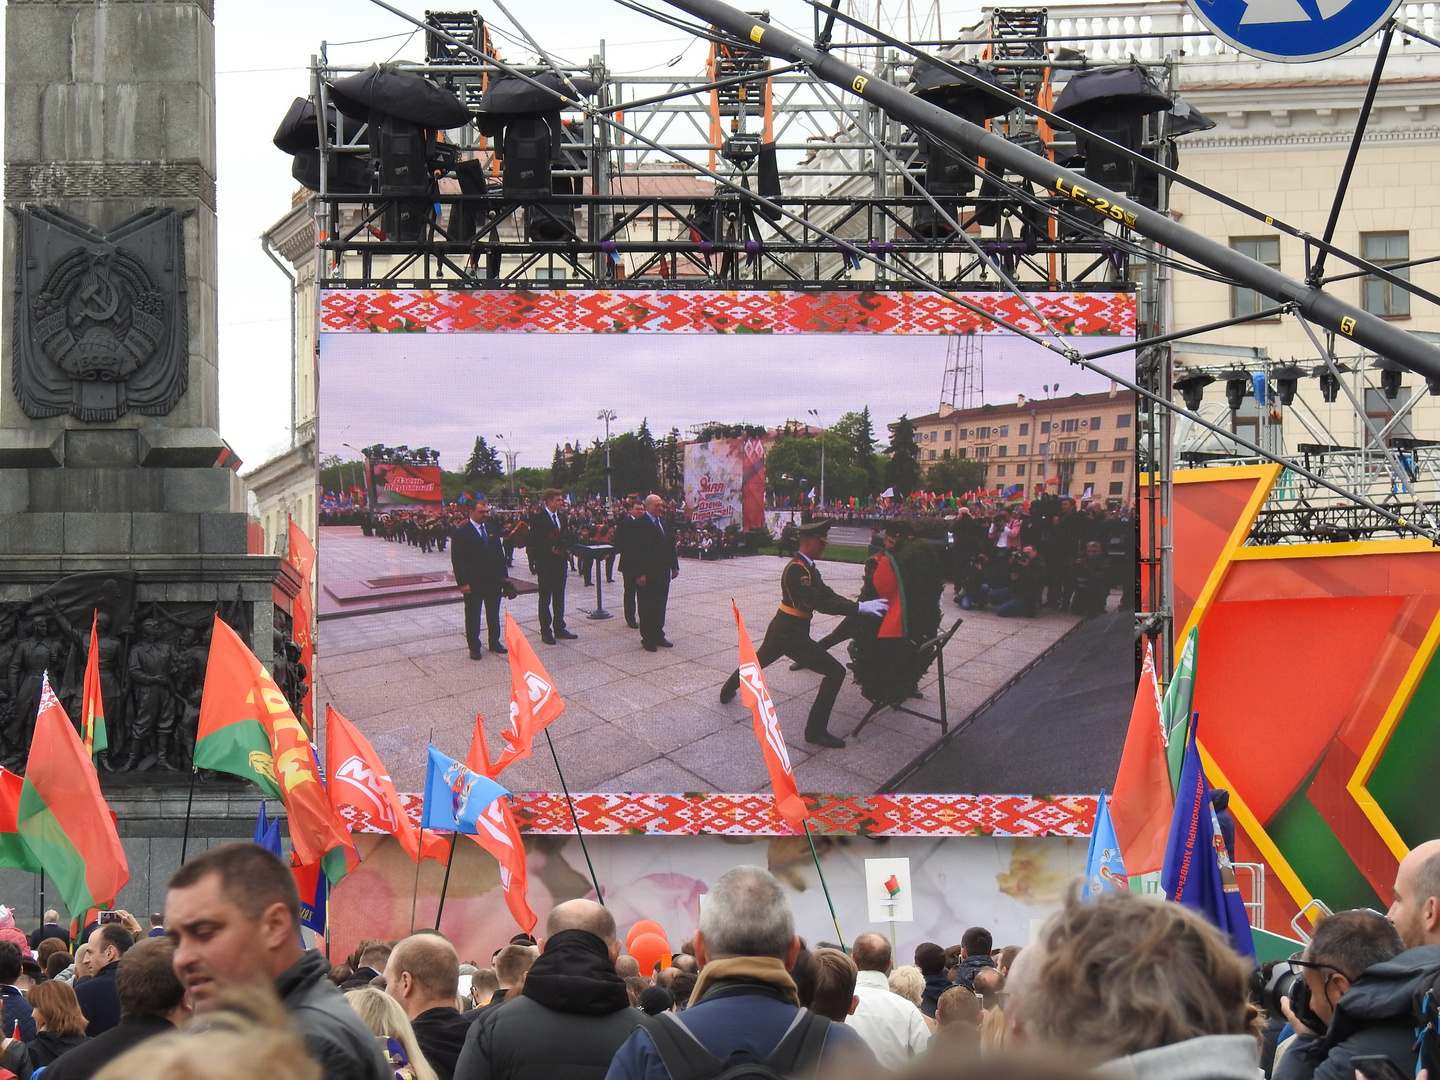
(62, 817)
(892, 886)
(92, 707)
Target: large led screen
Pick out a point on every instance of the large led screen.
(749, 414)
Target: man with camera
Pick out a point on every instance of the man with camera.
(1353, 1000)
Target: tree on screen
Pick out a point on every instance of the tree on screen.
(484, 462)
(956, 475)
(902, 471)
(856, 429)
(671, 467)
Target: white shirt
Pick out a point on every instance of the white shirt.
(893, 1028)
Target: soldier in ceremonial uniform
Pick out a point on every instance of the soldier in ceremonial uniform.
(802, 593)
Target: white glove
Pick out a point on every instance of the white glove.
(874, 607)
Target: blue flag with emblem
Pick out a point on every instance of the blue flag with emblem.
(1198, 872)
(454, 796)
(267, 831)
(1104, 869)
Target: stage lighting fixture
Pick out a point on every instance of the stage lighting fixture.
(1287, 381)
(1390, 374)
(1192, 389)
(1113, 103)
(528, 150)
(1237, 384)
(947, 173)
(1329, 382)
(1432, 384)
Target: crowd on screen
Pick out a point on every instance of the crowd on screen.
(1114, 987)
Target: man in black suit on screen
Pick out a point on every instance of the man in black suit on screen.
(550, 552)
(477, 554)
(654, 563)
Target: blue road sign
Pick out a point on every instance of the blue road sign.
(1293, 31)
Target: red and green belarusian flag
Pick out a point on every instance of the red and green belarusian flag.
(92, 707)
(14, 855)
(248, 729)
(62, 817)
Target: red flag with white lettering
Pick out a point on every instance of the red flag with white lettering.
(495, 831)
(755, 694)
(534, 702)
(358, 779)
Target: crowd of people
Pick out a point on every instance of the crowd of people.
(1117, 987)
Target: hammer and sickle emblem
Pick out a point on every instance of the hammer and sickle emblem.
(98, 298)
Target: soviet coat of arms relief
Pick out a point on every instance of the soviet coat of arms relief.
(100, 316)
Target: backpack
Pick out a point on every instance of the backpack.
(797, 1054)
(1427, 1023)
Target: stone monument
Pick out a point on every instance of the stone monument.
(117, 494)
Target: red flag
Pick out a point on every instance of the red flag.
(358, 779)
(534, 702)
(92, 704)
(302, 611)
(755, 694)
(1142, 804)
(496, 833)
(478, 759)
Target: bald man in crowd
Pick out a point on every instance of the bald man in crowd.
(423, 975)
(1415, 903)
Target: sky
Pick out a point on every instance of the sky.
(543, 390)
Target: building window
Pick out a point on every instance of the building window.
(1023, 449)
(1004, 430)
(1118, 465)
(945, 454)
(1090, 466)
(932, 455)
(1068, 446)
(1095, 423)
(1117, 488)
(1123, 420)
(961, 452)
(1377, 296)
(982, 451)
(1122, 444)
(1093, 446)
(982, 433)
(1001, 452)
(1265, 249)
(1070, 425)
(949, 434)
(1024, 429)
(1019, 468)
(1044, 427)
(999, 470)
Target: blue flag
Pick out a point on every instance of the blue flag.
(267, 831)
(1104, 869)
(314, 888)
(1197, 871)
(455, 796)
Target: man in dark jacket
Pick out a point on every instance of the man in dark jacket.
(625, 531)
(372, 961)
(930, 959)
(50, 928)
(423, 974)
(477, 556)
(234, 915)
(975, 946)
(571, 1015)
(652, 557)
(549, 542)
(745, 1002)
(1362, 984)
(14, 1009)
(98, 999)
(152, 1002)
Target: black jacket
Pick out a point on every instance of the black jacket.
(94, 1054)
(99, 1001)
(334, 1033)
(440, 1034)
(481, 566)
(965, 971)
(46, 1047)
(1376, 1016)
(935, 985)
(566, 1025)
(650, 548)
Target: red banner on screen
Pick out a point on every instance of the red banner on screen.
(406, 485)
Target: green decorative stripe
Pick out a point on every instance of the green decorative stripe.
(1317, 855)
(53, 850)
(241, 749)
(1403, 782)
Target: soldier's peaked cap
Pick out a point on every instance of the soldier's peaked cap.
(819, 528)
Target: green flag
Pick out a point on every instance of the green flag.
(1175, 708)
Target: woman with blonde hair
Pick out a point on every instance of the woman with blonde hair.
(909, 983)
(383, 1016)
(59, 1023)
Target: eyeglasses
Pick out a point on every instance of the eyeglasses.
(1297, 965)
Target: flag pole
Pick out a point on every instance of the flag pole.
(419, 858)
(446, 883)
(189, 802)
(833, 918)
(575, 818)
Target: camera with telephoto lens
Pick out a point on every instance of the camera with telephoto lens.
(1285, 982)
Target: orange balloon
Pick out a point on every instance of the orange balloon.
(647, 949)
(644, 926)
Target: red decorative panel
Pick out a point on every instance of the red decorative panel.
(602, 311)
(545, 812)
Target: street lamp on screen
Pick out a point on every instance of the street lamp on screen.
(607, 415)
(510, 457)
(816, 415)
